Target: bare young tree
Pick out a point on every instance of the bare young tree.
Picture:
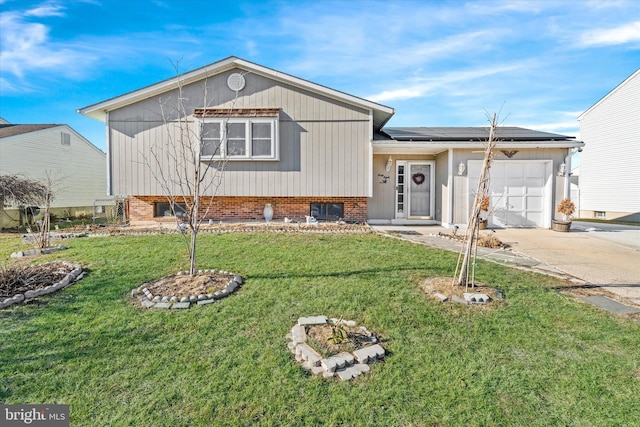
(52, 184)
(470, 243)
(186, 179)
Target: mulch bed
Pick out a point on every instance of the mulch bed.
(443, 285)
(319, 337)
(485, 240)
(20, 279)
(186, 285)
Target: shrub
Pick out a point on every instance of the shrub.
(566, 207)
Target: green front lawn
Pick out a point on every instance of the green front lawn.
(539, 359)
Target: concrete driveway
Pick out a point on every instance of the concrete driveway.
(606, 255)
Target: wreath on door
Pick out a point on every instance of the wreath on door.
(418, 178)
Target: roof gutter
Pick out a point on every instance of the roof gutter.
(443, 145)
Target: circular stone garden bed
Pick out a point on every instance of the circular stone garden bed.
(334, 347)
(18, 284)
(181, 290)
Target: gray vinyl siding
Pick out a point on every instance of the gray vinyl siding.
(78, 170)
(382, 204)
(441, 187)
(324, 143)
(609, 164)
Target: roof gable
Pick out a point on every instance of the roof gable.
(7, 130)
(611, 92)
(381, 114)
(11, 130)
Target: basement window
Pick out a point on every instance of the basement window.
(163, 209)
(600, 214)
(327, 211)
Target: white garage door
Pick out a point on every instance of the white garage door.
(520, 192)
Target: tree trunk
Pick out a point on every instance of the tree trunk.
(471, 235)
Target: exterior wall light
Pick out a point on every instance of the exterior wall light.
(562, 170)
(461, 168)
(387, 167)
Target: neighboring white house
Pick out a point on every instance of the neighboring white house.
(610, 163)
(77, 167)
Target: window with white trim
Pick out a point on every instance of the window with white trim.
(240, 138)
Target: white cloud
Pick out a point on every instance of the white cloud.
(50, 9)
(627, 33)
(26, 46)
(422, 87)
(390, 95)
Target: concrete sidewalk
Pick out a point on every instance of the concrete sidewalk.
(580, 256)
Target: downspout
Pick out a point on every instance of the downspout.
(370, 177)
(108, 146)
(567, 176)
(450, 188)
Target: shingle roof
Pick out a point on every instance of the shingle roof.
(470, 134)
(12, 130)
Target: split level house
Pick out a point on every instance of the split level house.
(307, 149)
(610, 168)
(55, 152)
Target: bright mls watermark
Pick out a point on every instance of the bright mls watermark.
(34, 415)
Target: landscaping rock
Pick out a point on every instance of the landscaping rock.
(345, 375)
(298, 334)
(206, 301)
(459, 300)
(147, 304)
(315, 320)
(308, 354)
(165, 305)
(347, 357)
(180, 305)
(317, 370)
(476, 298)
(329, 365)
(441, 297)
(31, 294)
(363, 368)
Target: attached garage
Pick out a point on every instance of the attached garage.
(520, 192)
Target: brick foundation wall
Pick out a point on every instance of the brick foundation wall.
(141, 208)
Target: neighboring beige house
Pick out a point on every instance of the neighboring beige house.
(610, 163)
(77, 167)
(310, 150)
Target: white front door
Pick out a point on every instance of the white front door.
(414, 189)
(519, 192)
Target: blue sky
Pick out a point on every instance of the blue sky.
(438, 63)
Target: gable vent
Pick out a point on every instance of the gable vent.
(66, 138)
